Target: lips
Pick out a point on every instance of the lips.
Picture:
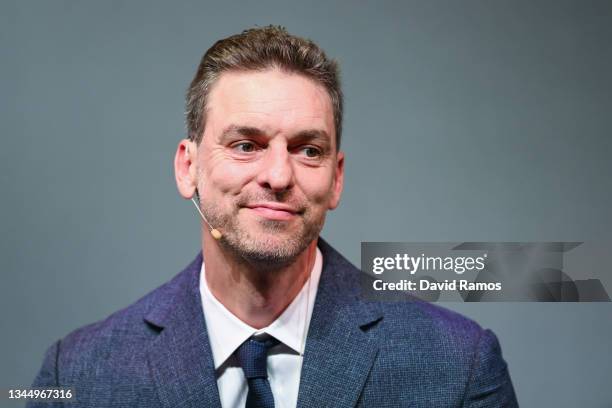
(274, 211)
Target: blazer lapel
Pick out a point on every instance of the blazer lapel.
(339, 352)
(180, 358)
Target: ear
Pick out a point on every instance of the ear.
(185, 171)
(338, 182)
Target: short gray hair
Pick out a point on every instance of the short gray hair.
(258, 49)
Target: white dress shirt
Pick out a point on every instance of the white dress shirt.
(227, 332)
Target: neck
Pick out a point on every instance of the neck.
(255, 296)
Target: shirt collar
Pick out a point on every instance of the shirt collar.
(227, 332)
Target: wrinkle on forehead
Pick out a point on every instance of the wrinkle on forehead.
(271, 100)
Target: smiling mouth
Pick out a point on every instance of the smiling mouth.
(274, 211)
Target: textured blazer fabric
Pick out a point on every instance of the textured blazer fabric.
(156, 352)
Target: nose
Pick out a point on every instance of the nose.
(276, 171)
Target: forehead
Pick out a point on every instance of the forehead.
(272, 100)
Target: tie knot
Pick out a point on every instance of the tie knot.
(252, 356)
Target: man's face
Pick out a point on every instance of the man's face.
(268, 166)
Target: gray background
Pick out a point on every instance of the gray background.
(465, 121)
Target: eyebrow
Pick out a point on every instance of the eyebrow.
(235, 130)
(250, 131)
(313, 134)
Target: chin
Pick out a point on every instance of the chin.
(269, 256)
(275, 242)
(267, 247)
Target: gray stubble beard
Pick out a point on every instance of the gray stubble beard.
(261, 255)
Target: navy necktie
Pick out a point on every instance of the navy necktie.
(252, 356)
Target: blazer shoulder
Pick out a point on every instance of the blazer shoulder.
(430, 317)
(434, 347)
(403, 314)
(127, 327)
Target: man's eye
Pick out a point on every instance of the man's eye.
(311, 151)
(245, 147)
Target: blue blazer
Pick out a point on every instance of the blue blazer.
(156, 352)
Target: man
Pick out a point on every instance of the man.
(269, 315)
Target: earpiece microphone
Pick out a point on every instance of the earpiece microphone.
(216, 234)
